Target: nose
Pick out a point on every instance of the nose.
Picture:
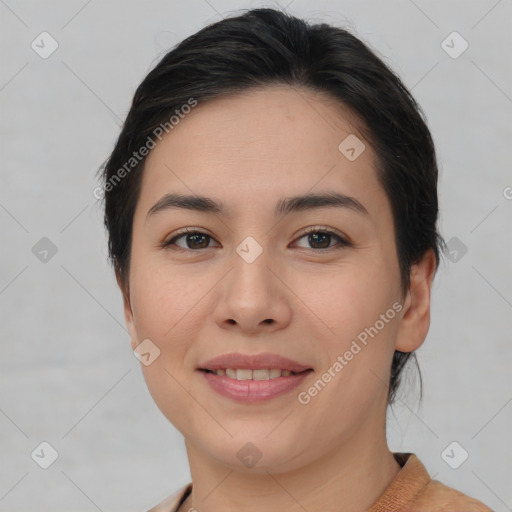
(253, 297)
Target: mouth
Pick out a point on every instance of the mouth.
(263, 366)
(253, 379)
(257, 374)
(251, 386)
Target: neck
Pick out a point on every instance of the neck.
(349, 478)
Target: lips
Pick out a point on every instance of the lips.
(253, 391)
(265, 361)
(257, 374)
(253, 378)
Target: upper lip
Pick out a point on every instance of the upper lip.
(253, 362)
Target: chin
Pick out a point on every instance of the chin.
(256, 454)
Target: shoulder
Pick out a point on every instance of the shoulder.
(436, 496)
(413, 490)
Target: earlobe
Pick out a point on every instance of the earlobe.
(415, 321)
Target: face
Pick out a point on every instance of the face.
(312, 282)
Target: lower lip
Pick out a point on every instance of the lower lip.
(250, 391)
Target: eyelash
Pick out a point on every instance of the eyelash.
(342, 242)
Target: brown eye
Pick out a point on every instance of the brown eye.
(318, 239)
(194, 240)
(321, 239)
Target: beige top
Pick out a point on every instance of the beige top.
(412, 490)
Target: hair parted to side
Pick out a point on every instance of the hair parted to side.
(265, 47)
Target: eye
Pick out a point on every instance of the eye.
(322, 237)
(194, 239)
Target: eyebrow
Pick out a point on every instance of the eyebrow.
(284, 206)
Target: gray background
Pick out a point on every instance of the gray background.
(67, 373)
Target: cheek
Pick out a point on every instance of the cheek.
(161, 298)
(163, 307)
(357, 306)
(347, 299)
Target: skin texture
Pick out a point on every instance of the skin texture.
(248, 151)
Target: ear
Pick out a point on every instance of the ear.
(128, 313)
(415, 321)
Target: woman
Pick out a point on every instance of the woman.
(271, 205)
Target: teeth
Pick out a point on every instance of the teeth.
(274, 373)
(261, 374)
(246, 374)
(243, 374)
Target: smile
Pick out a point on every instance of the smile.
(247, 374)
(252, 386)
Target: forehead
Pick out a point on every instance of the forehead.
(246, 149)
